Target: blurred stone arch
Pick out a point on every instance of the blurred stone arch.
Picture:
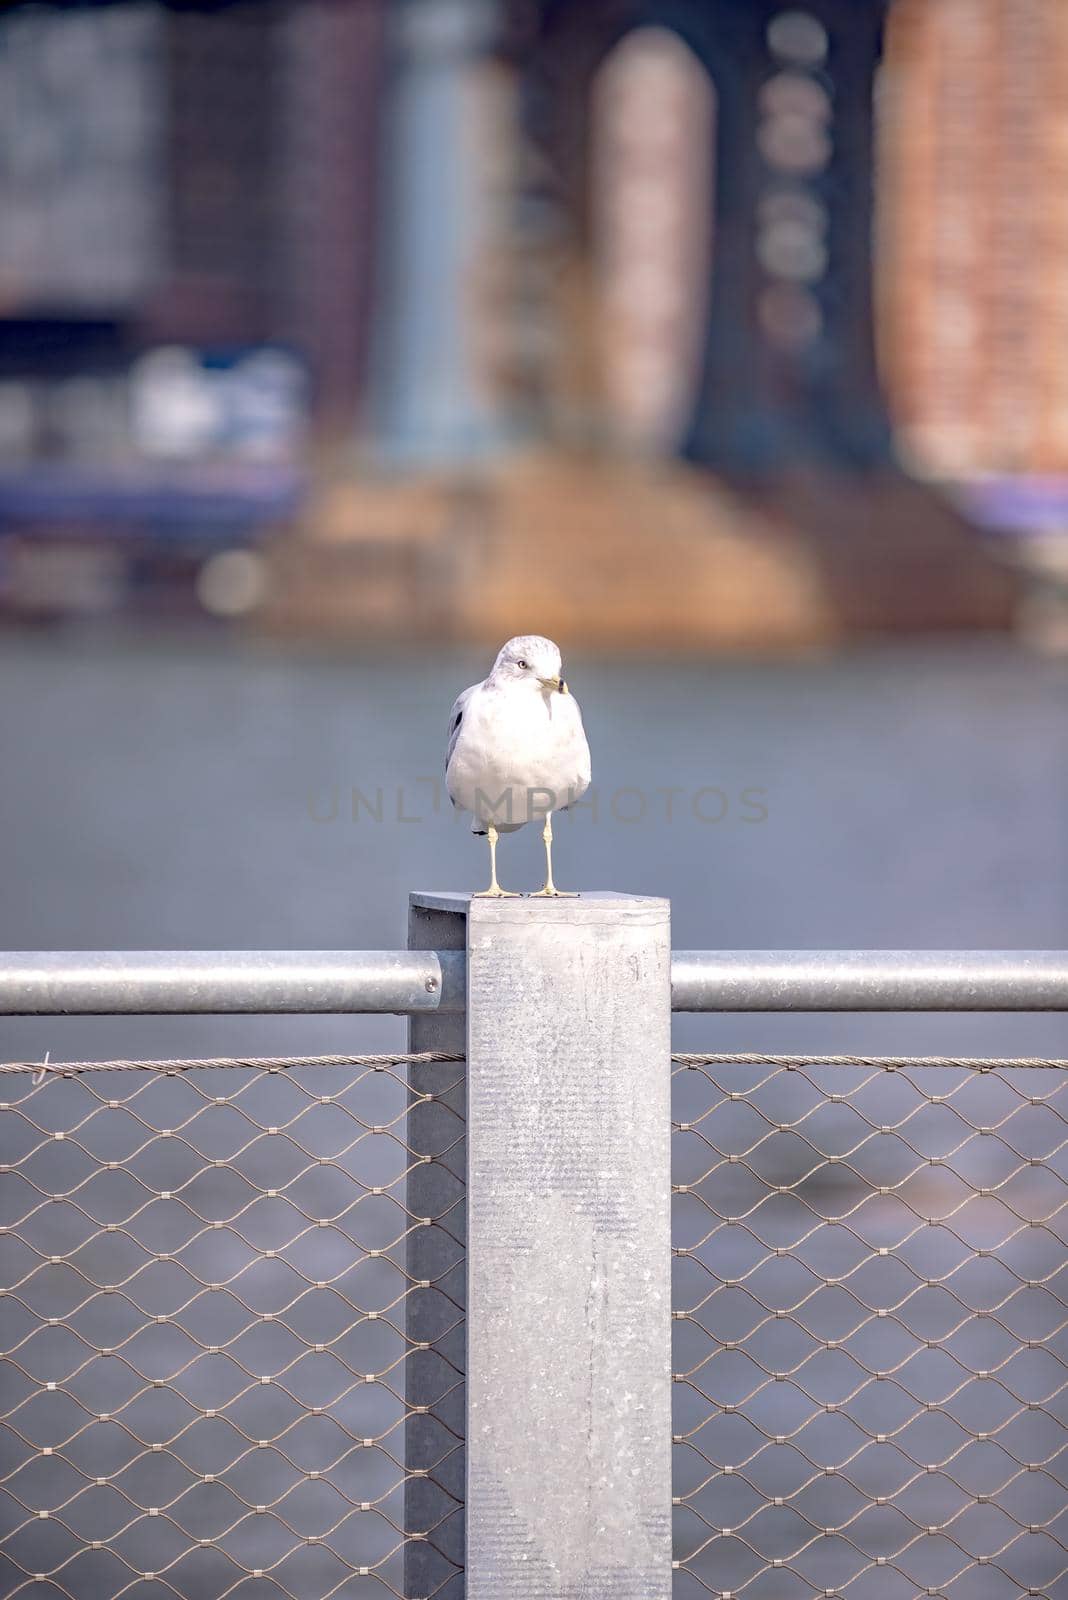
(786, 354)
(972, 222)
(650, 231)
(619, 110)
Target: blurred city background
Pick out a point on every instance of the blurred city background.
(341, 315)
(725, 341)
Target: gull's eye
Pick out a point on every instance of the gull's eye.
(523, 665)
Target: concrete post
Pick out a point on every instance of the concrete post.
(568, 1407)
(435, 1567)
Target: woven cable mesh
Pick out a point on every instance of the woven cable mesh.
(870, 1334)
(213, 1340)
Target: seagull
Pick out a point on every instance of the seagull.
(517, 749)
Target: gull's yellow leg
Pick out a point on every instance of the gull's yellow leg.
(494, 889)
(550, 888)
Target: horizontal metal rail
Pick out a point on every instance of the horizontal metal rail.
(869, 980)
(126, 982)
(112, 983)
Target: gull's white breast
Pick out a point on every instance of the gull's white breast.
(515, 741)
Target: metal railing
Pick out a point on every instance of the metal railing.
(409, 982)
(157, 982)
(238, 1332)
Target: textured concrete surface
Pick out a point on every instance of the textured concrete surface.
(568, 1275)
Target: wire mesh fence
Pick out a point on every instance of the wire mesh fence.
(212, 1333)
(225, 1371)
(871, 1336)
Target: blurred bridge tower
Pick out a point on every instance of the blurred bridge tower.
(788, 371)
(429, 405)
(787, 401)
(789, 367)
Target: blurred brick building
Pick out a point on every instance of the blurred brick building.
(973, 245)
(185, 285)
(194, 174)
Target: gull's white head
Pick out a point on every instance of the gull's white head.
(530, 658)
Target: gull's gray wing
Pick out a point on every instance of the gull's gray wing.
(456, 717)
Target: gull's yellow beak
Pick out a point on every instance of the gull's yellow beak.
(554, 683)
